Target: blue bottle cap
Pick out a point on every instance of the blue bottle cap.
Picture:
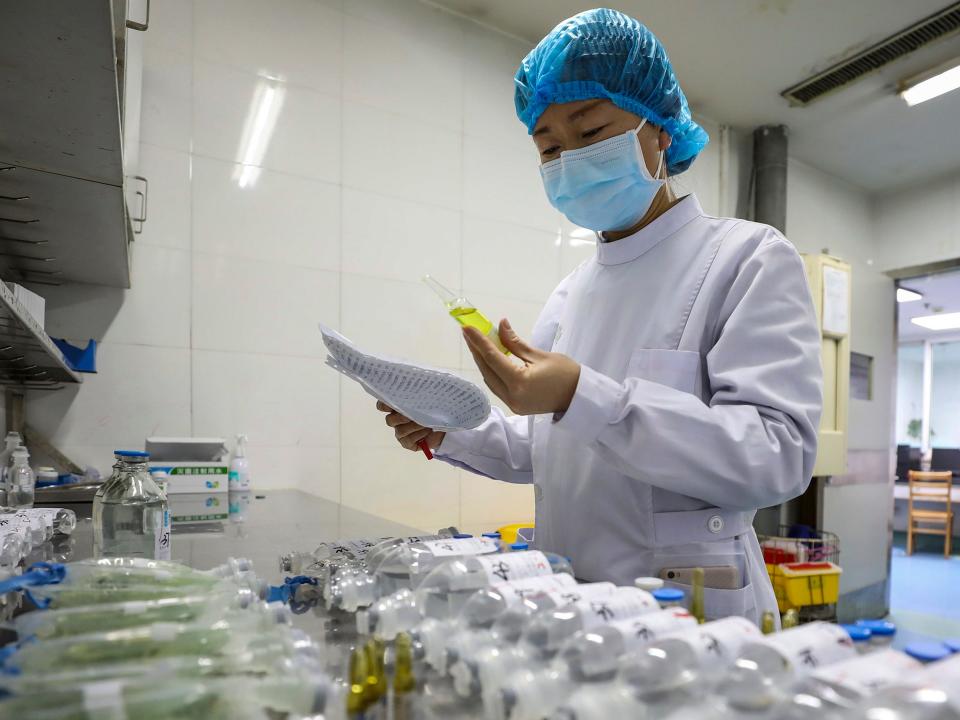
(461, 536)
(857, 633)
(884, 628)
(132, 453)
(668, 595)
(927, 651)
(520, 546)
(953, 644)
(492, 535)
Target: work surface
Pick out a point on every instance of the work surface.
(274, 523)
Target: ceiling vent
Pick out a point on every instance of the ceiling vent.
(898, 45)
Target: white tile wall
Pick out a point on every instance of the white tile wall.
(279, 219)
(305, 141)
(396, 153)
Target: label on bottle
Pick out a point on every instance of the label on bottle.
(514, 591)
(161, 549)
(578, 593)
(504, 567)
(720, 641)
(626, 602)
(638, 631)
(461, 546)
(865, 674)
(105, 695)
(811, 646)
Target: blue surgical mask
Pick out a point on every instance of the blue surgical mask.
(604, 186)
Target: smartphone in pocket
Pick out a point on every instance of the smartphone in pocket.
(718, 577)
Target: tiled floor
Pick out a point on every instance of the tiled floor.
(924, 591)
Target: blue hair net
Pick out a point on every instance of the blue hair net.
(605, 54)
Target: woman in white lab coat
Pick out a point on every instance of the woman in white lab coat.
(672, 384)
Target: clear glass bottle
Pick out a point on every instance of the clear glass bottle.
(765, 668)
(20, 480)
(11, 442)
(130, 515)
(61, 520)
(587, 658)
(493, 655)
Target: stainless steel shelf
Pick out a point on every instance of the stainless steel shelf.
(28, 358)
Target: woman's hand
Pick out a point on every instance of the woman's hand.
(544, 383)
(407, 432)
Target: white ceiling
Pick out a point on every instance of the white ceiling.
(734, 57)
(941, 293)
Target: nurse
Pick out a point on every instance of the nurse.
(672, 384)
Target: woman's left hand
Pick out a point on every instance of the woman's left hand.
(544, 383)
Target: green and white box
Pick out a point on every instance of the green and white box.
(195, 465)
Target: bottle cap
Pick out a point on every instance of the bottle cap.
(857, 633)
(879, 627)
(137, 454)
(953, 644)
(927, 651)
(493, 535)
(648, 583)
(461, 536)
(21, 452)
(520, 546)
(668, 595)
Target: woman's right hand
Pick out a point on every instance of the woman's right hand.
(409, 433)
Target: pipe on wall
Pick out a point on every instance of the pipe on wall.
(770, 175)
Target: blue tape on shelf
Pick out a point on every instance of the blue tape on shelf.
(79, 359)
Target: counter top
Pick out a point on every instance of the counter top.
(268, 525)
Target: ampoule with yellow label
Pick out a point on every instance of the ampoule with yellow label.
(465, 312)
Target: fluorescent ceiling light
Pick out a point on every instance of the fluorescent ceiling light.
(934, 83)
(258, 129)
(942, 321)
(904, 295)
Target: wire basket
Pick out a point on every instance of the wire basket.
(804, 568)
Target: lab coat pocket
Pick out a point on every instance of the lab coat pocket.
(678, 369)
(719, 604)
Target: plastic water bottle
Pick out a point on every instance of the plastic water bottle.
(593, 656)
(832, 692)
(130, 515)
(442, 640)
(239, 476)
(484, 658)
(402, 567)
(766, 667)
(20, 480)
(932, 693)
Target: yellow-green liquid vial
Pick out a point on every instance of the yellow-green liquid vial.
(465, 313)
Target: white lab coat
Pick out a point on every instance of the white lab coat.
(698, 402)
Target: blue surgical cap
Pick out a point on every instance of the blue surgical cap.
(606, 54)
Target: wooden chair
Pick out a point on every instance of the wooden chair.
(930, 487)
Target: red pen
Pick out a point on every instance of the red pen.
(422, 444)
